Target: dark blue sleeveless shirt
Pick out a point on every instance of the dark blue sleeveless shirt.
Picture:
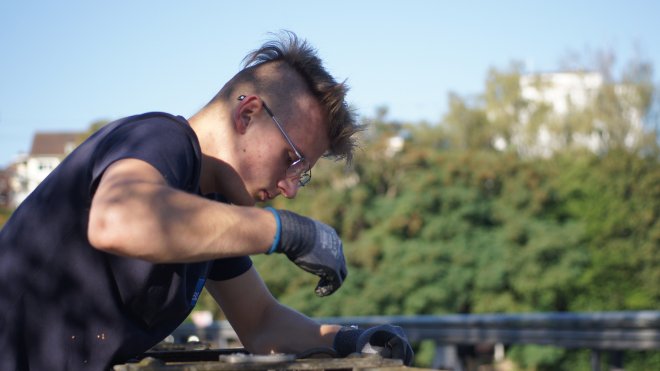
(64, 304)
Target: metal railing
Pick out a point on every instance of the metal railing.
(600, 331)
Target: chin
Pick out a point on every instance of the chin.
(261, 197)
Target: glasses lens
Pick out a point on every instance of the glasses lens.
(299, 170)
(305, 178)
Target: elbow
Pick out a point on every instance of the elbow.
(113, 231)
(265, 335)
(260, 343)
(258, 346)
(103, 232)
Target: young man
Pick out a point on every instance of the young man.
(111, 251)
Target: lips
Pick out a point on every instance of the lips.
(265, 196)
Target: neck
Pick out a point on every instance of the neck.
(212, 125)
(219, 177)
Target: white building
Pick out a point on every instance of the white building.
(563, 93)
(562, 90)
(47, 151)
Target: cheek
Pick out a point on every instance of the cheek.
(261, 168)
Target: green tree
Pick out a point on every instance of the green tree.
(93, 128)
(451, 225)
(4, 216)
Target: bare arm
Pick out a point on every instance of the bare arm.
(263, 324)
(135, 213)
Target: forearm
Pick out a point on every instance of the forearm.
(287, 331)
(263, 324)
(151, 221)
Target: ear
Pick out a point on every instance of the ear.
(244, 114)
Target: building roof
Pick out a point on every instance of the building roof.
(54, 144)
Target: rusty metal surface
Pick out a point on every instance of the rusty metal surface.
(269, 362)
(201, 356)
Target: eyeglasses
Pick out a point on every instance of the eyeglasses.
(299, 169)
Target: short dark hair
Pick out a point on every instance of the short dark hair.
(286, 53)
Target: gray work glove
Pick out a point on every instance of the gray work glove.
(314, 247)
(386, 340)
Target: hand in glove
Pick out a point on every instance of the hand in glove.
(313, 246)
(386, 340)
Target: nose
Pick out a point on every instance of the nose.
(288, 187)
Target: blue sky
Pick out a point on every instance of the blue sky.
(65, 64)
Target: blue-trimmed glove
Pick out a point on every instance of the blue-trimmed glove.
(313, 246)
(386, 340)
